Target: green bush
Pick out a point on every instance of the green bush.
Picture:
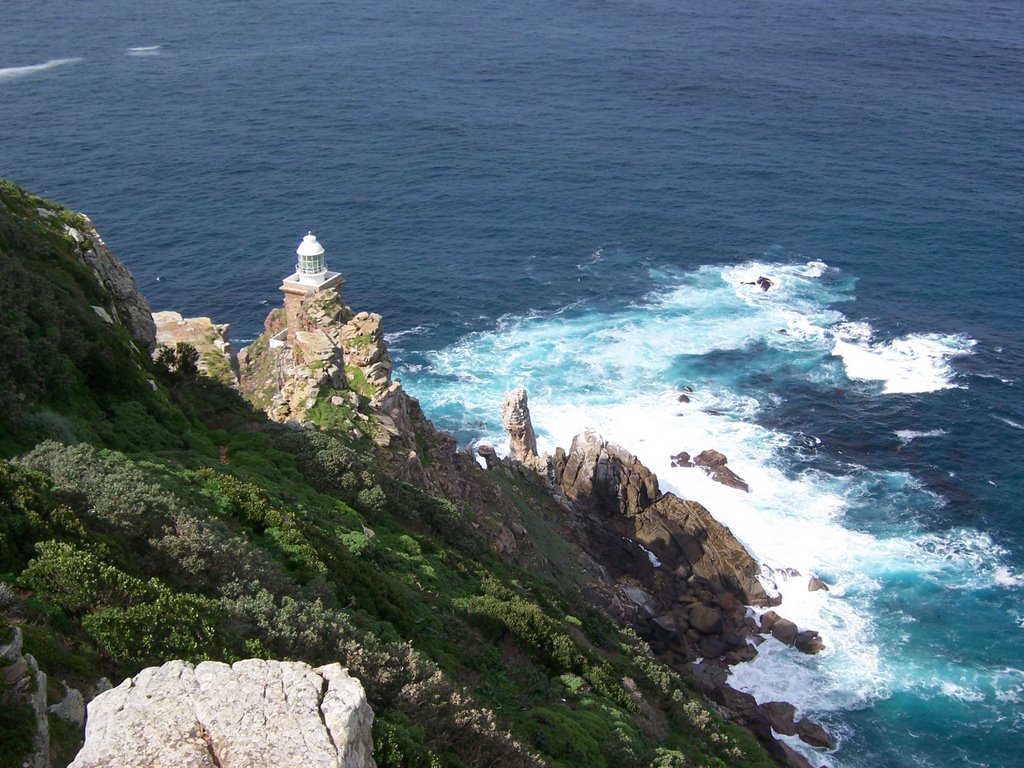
(77, 580)
(596, 734)
(17, 728)
(543, 639)
(171, 626)
(397, 744)
(123, 498)
(29, 512)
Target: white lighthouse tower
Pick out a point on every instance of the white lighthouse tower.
(311, 276)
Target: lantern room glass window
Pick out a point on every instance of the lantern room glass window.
(312, 264)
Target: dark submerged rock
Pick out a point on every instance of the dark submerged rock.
(714, 463)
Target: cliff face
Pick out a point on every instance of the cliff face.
(129, 305)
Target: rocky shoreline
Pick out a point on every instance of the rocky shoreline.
(674, 574)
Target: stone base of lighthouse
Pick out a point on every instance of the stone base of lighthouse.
(297, 288)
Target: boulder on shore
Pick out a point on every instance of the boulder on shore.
(252, 714)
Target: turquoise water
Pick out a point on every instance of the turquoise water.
(573, 198)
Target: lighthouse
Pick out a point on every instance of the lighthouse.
(311, 276)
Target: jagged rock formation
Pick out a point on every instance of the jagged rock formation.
(285, 372)
(252, 714)
(335, 373)
(687, 576)
(217, 357)
(128, 304)
(605, 477)
(362, 339)
(515, 415)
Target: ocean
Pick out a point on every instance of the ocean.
(576, 197)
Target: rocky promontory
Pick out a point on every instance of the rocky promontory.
(539, 611)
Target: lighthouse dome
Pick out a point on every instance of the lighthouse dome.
(311, 256)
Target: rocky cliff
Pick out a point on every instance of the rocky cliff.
(129, 306)
(217, 357)
(335, 374)
(251, 714)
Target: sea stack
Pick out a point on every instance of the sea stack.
(515, 415)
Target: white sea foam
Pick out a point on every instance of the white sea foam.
(954, 691)
(908, 435)
(416, 330)
(915, 363)
(620, 373)
(10, 73)
(1008, 422)
(144, 50)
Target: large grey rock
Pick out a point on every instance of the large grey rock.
(606, 478)
(251, 714)
(210, 339)
(72, 708)
(785, 631)
(705, 619)
(515, 415)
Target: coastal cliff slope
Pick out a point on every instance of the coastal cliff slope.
(151, 514)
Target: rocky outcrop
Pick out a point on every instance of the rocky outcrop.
(129, 305)
(814, 584)
(762, 282)
(252, 714)
(606, 478)
(684, 533)
(217, 357)
(785, 631)
(515, 415)
(336, 362)
(23, 683)
(362, 339)
(714, 463)
(489, 455)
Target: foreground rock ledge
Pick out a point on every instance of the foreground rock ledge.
(253, 714)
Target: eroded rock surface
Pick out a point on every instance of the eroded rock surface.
(607, 478)
(252, 714)
(23, 683)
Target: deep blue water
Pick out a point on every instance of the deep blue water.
(571, 197)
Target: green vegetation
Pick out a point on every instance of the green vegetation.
(17, 724)
(148, 513)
